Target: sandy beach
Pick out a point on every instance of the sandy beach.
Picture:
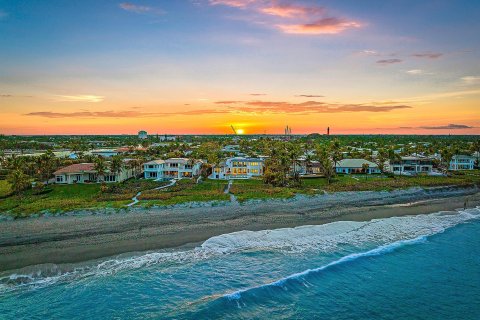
(81, 237)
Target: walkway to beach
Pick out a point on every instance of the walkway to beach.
(135, 199)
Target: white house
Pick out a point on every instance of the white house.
(461, 162)
(356, 166)
(238, 168)
(173, 168)
(86, 173)
(411, 165)
(154, 169)
(168, 138)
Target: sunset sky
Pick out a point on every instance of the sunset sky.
(199, 66)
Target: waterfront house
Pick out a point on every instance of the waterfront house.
(462, 162)
(86, 173)
(411, 166)
(173, 168)
(238, 168)
(349, 166)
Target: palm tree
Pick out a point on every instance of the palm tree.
(100, 167)
(365, 167)
(335, 151)
(447, 155)
(18, 180)
(326, 164)
(116, 165)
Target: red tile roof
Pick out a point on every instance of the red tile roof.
(74, 168)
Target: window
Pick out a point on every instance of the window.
(110, 178)
(59, 178)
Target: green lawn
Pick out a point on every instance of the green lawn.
(186, 191)
(60, 198)
(4, 188)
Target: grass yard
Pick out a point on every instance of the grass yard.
(4, 188)
(256, 189)
(186, 191)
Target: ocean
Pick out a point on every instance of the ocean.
(411, 267)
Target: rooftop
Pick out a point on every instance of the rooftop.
(76, 168)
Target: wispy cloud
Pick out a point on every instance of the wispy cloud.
(232, 3)
(309, 96)
(13, 96)
(139, 8)
(428, 55)
(321, 26)
(232, 107)
(471, 80)
(79, 98)
(258, 94)
(291, 10)
(292, 17)
(389, 61)
(448, 127)
(418, 72)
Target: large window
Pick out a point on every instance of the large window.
(110, 178)
(59, 178)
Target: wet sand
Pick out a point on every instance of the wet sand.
(78, 238)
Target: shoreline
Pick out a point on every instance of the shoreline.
(80, 238)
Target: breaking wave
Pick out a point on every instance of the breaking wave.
(382, 234)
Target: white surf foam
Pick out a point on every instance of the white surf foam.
(322, 238)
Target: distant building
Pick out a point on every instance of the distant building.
(106, 153)
(166, 137)
(462, 162)
(238, 168)
(142, 135)
(350, 166)
(86, 173)
(411, 166)
(173, 168)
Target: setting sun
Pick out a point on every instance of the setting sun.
(240, 131)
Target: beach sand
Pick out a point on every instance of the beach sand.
(78, 238)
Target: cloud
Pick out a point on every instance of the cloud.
(13, 96)
(312, 107)
(243, 107)
(139, 9)
(389, 61)
(322, 26)
(257, 94)
(79, 98)
(428, 55)
(448, 127)
(290, 17)
(471, 80)
(232, 3)
(309, 96)
(415, 72)
(289, 10)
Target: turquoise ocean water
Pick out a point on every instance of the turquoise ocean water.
(415, 267)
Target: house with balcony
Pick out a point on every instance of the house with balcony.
(411, 166)
(238, 168)
(352, 166)
(305, 167)
(173, 168)
(154, 169)
(86, 173)
(462, 162)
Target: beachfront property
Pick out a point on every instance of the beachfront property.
(238, 168)
(462, 162)
(351, 166)
(306, 168)
(86, 173)
(173, 168)
(411, 166)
